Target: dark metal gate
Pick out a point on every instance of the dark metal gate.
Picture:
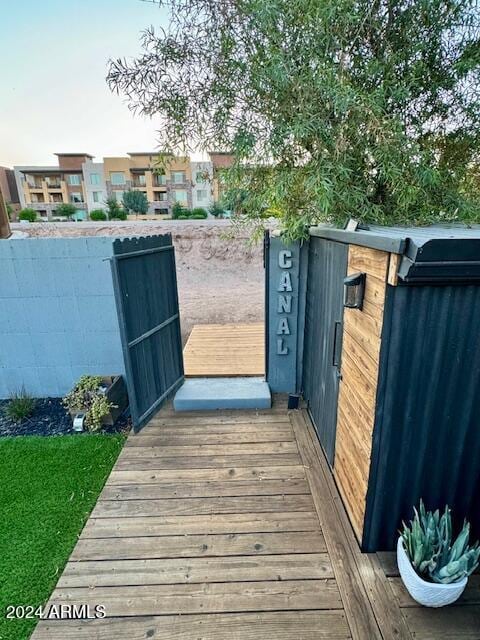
(327, 267)
(145, 284)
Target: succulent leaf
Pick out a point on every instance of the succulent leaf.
(428, 543)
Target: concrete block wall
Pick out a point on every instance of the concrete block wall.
(58, 318)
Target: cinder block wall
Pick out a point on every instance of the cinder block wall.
(58, 318)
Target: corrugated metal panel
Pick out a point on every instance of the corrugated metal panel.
(427, 428)
(147, 302)
(327, 266)
(432, 255)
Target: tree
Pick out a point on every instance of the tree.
(114, 210)
(363, 108)
(66, 210)
(135, 201)
(28, 214)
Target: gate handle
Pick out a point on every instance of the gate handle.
(336, 344)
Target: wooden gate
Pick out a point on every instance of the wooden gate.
(327, 267)
(145, 284)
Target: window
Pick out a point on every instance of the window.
(74, 180)
(159, 196)
(117, 177)
(118, 195)
(53, 182)
(201, 176)
(201, 195)
(161, 212)
(178, 177)
(56, 197)
(96, 196)
(159, 179)
(139, 180)
(95, 178)
(180, 195)
(76, 196)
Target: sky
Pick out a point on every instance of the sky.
(53, 63)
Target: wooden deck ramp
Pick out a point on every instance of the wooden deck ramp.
(228, 525)
(225, 350)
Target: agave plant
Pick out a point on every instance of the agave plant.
(428, 543)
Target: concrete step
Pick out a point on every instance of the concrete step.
(207, 394)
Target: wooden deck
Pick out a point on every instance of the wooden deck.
(225, 350)
(229, 525)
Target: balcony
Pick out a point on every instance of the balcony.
(139, 183)
(159, 180)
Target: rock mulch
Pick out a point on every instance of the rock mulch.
(50, 418)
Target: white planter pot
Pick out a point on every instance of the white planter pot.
(430, 594)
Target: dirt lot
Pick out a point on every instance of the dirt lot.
(219, 279)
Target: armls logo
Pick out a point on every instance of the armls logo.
(56, 612)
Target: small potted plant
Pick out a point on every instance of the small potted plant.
(99, 399)
(434, 569)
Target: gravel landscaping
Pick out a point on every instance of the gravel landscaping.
(50, 418)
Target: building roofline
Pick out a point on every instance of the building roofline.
(73, 155)
(38, 168)
(148, 153)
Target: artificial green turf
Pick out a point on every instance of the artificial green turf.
(48, 486)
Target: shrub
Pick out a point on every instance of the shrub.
(216, 210)
(66, 210)
(178, 210)
(114, 210)
(86, 396)
(20, 407)
(199, 213)
(98, 214)
(182, 217)
(28, 214)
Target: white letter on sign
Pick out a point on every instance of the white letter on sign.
(285, 259)
(283, 328)
(282, 349)
(284, 304)
(285, 282)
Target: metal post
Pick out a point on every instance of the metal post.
(5, 231)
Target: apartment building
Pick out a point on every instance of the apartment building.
(202, 184)
(164, 178)
(95, 187)
(219, 160)
(44, 188)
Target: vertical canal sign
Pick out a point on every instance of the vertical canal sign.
(285, 314)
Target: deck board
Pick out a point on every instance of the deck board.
(243, 542)
(225, 350)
